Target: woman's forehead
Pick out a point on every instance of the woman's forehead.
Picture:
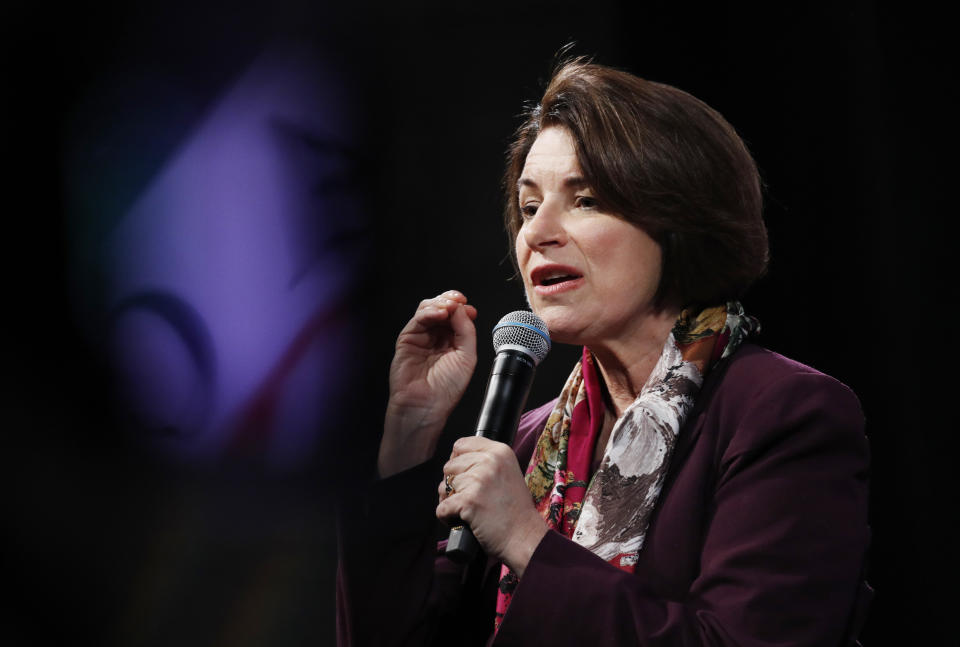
(553, 158)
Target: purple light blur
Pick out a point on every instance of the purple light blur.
(233, 235)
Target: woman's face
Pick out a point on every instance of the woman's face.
(590, 275)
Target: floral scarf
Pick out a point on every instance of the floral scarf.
(610, 514)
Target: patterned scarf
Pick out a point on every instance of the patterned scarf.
(610, 515)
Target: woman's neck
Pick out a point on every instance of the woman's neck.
(627, 361)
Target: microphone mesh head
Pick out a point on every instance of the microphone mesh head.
(524, 329)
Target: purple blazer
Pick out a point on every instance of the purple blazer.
(758, 538)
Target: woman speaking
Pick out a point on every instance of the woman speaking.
(686, 487)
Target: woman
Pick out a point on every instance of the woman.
(687, 487)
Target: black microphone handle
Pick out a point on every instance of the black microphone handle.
(503, 402)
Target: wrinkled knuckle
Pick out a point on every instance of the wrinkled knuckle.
(483, 466)
(486, 476)
(466, 497)
(494, 456)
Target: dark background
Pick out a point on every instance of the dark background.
(846, 106)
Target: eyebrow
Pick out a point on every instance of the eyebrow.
(570, 182)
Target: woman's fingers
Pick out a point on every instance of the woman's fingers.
(465, 333)
(472, 469)
(442, 322)
(491, 496)
(448, 486)
(456, 504)
(458, 464)
(442, 490)
(472, 460)
(443, 301)
(444, 308)
(468, 444)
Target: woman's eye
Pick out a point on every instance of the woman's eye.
(586, 202)
(529, 210)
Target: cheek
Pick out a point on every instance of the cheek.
(523, 255)
(629, 260)
(651, 271)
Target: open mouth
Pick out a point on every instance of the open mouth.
(553, 280)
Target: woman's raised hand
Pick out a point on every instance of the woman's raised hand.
(432, 365)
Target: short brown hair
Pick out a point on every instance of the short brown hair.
(664, 161)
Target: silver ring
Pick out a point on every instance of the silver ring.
(447, 481)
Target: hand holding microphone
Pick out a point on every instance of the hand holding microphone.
(483, 485)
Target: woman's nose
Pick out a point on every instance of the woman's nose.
(546, 227)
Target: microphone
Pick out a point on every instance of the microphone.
(521, 341)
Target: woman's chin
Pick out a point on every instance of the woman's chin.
(562, 330)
